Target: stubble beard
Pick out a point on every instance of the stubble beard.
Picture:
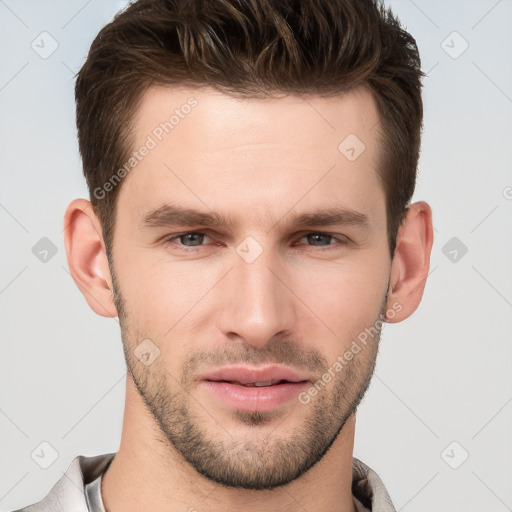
(266, 463)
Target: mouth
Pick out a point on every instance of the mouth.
(254, 389)
(264, 384)
(259, 376)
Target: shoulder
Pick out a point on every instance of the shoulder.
(68, 493)
(369, 489)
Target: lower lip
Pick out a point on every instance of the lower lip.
(252, 399)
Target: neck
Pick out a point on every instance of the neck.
(148, 473)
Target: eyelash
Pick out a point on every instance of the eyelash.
(190, 249)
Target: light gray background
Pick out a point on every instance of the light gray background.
(443, 375)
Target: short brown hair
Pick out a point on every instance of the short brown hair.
(250, 48)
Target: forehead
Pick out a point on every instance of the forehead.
(221, 120)
(215, 151)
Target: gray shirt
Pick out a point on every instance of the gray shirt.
(79, 489)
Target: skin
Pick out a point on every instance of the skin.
(260, 162)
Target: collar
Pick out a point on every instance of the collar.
(71, 494)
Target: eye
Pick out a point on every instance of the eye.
(319, 239)
(191, 239)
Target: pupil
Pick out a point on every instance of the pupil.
(187, 237)
(317, 237)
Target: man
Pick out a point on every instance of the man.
(250, 166)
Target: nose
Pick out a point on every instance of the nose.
(255, 303)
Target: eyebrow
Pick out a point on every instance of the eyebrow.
(168, 216)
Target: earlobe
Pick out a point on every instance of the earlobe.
(87, 257)
(410, 265)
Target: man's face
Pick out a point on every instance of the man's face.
(266, 298)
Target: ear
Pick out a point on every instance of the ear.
(87, 257)
(410, 265)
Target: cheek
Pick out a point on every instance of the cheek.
(157, 293)
(162, 305)
(345, 298)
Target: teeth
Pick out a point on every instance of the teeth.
(261, 384)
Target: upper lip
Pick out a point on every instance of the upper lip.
(248, 375)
